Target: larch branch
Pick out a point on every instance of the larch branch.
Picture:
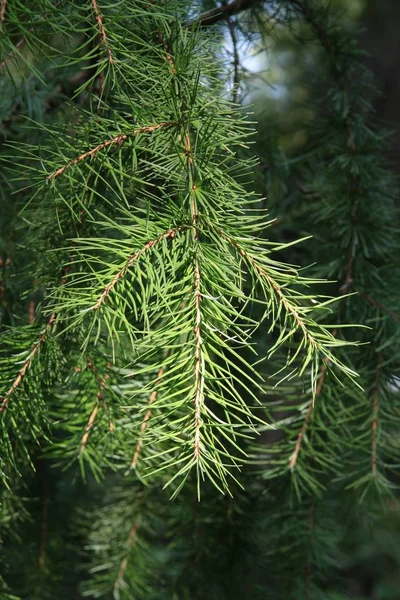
(198, 354)
(132, 259)
(143, 425)
(94, 412)
(198, 361)
(275, 286)
(117, 140)
(27, 363)
(294, 457)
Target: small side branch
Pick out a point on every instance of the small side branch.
(198, 362)
(102, 30)
(95, 410)
(143, 426)
(171, 233)
(117, 140)
(276, 287)
(294, 457)
(124, 562)
(27, 363)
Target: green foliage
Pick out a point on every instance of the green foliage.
(153, 337)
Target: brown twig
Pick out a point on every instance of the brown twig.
(143, 426)
(171, 233)
(168, 56)
(93, 415)
(124, 562)
(36, 346)
(102, 30)
(375, 411)
(116, 140)
(27, 363)
(294, 457)
(17, 46)
(275, 286)
(198, 361)
(198, 355)
(31, 311)
(3, 10)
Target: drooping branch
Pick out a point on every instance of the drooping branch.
(117, 140)
(171, 233)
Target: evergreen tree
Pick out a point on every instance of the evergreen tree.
(189, 409)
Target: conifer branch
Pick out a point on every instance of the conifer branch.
(102, 30)
(124, 563)
(198, 354)
(27, 363)
(294, 457)
(95, 410)
(199, 362)
(171, 233)
(116, 140)
(275, 286)
(338, 75)
(143, 425)
(375, 414)
(168, 56)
